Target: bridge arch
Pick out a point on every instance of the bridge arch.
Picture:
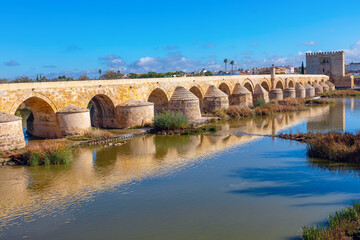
(102, 112)
(266, 85)
(159, 98)
(225, 88)
(198, 92)
(40, 96)
(248, 84)
(291, 83)
(38, 115)
(280, 84)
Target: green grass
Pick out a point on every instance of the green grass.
(170, 121)
(260, 102)
(343, 224)
(48, 154)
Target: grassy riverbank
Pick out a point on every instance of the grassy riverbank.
(271, 108)
(341, 93)
(49, 152)
(333, 146)
(343, 224)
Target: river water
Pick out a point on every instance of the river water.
(225, 185)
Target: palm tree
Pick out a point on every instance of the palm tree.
(225, 61)
(100, 73)
(232, 66)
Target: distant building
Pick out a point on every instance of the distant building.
(352, 67)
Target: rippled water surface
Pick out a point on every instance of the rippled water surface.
(225, 185)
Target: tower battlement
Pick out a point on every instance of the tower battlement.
(323, 54)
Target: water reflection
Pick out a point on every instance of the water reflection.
(29, 193)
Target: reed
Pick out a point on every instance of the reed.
(343, 224)
(169, 120)
(341, 93)
(48, 153)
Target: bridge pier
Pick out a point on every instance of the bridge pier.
(310, 90)
(260, 92)
(11, 133)
(318, 88)
(300, 91)
(276, 94)
(72, 121)
(289, 92)
(215, 99)
(241, 96)
(186, 102)
(134, 113)
(325, 86)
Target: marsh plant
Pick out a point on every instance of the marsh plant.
(48, 153)
(168, 120)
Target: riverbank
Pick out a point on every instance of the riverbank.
(343, 224)
(333, 146)
(341, 93)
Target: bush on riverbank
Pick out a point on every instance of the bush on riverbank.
(48, 153)
(343, 224)
(335, 147)
(168, 120)
(341, 93)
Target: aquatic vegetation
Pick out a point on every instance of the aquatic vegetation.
(94, 133)
(260, 102)
(48, 153)
(239, 112)
(319, 101)
(168, 120)
(341, 93)
(343, 224)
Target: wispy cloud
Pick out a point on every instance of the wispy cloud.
(171, 47)
(311, 43)
(12, 63)
(208, 45)
(352, 54)
(255, 43)
(72, 48)
(49, 66)
(247, 53)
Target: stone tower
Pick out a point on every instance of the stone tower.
(331, 64)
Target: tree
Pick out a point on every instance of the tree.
(3, 80)
(84, 77)
(100, 73)
(232, 66)
(133, 75)
(113, 75)
(225, 61)
(302, 68)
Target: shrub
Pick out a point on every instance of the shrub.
(170, 121)
(260, 102)
(238, 112)
(221, 113)
(94, 133)
(342, 224)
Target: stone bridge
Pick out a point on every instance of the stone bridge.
(61, 108)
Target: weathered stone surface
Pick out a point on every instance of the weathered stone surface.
(134, 113)
(331, 85)
(72, 121)
(325, 87)
(300, 91)
(11, 134)
(289, 93)
(276, 94)
(318, 88)
(260, 92)
(310, 90)
(186, 102)
(241, 96)
(215, 99)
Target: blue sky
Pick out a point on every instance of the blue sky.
(76, 37)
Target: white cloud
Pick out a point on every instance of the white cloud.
(311, 43)
(352, 54)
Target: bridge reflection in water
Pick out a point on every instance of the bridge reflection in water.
(42, 189)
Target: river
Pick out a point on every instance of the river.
(226, 185)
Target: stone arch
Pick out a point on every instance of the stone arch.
(291, 83)
(249, 85)
(40, 118)
(225, 88)
(279, 84)
(159, 98)
(102, 112)
(265, 85)
(197, 91)
(29, 95)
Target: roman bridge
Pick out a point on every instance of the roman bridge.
(59, 108)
